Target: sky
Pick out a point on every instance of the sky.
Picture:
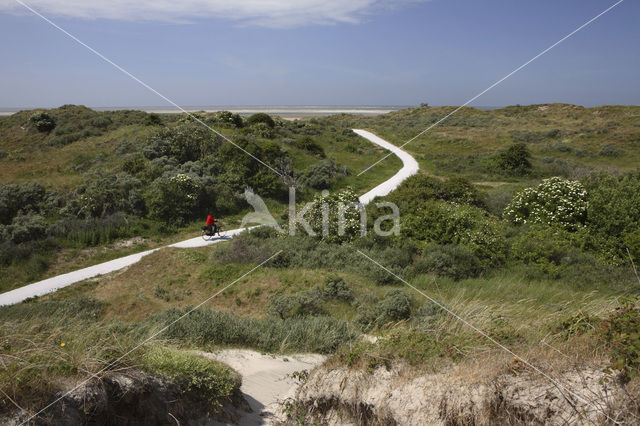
(318, 52)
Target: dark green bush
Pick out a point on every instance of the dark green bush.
(396, 306)
(515, 161)
(261, 117)
(451, 261)
(25, 228)
(229, 117)
(322, 175)
(28, 197)
(621, 330)
(444, 223)
(295, 305)
(43, 122)
(306, 143)
(336, 288)
(186, 142)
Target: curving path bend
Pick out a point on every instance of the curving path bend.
(50, 285)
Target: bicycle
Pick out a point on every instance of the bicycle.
(210, 236)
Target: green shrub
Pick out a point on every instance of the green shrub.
(210, 379)
(174, 199)
(515, 161)
(261, 117)
(306, 143)
(333, 203)
(621, 330)
(336, 288)
(614, 209)
(205, 327)
(295, 305)
(418, 189)
(451, 261)
(555, 202)
(27, 197)
(43, 122)
(322, 175)
(229, 117)
(444, 223)
(396, 306)
(107, 194)
(25, 228)
(185, 142)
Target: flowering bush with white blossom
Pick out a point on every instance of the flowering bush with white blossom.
(555, 202)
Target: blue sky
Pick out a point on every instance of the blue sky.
(312, 52)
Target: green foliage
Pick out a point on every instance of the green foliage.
(154, 119)
(322, 175)
(174, 199)
(25, 198)
(107, 194)
(336, 288)
(204, 327)
(451, 261)
(515, 161)
(418, 189)
(445, 223)
(621, 330)
(186, 142)
(295, 305)
(261, 117)
(544, 247)
(43, 122)
(210, 379)
(614, 210)
(228, 117)
(24, 228)
(336, 207)
(396, 306)
(307, 143)
(555, 202)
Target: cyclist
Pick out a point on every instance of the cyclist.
(211, 227)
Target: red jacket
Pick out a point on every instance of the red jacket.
(210, 220)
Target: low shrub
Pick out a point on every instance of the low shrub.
(210, 379)
(213, 328)
(395, 306)
(621, 330)
(451, 261)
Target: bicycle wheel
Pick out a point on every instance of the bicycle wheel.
(219, 230)
(206, 236)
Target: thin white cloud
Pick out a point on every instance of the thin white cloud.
(268, 13)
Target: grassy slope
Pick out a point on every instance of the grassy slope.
(510, 305)
(30, 156)
(581, 134)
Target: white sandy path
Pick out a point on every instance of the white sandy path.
(409, 167)
(53, 284)
(50, 285)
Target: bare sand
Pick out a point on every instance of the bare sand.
(266, 380)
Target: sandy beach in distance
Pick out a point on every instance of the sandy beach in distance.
(292, 112)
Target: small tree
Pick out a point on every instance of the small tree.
(43, 122)
(174, 199)
(514, 161)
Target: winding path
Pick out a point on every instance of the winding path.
(50, 285)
